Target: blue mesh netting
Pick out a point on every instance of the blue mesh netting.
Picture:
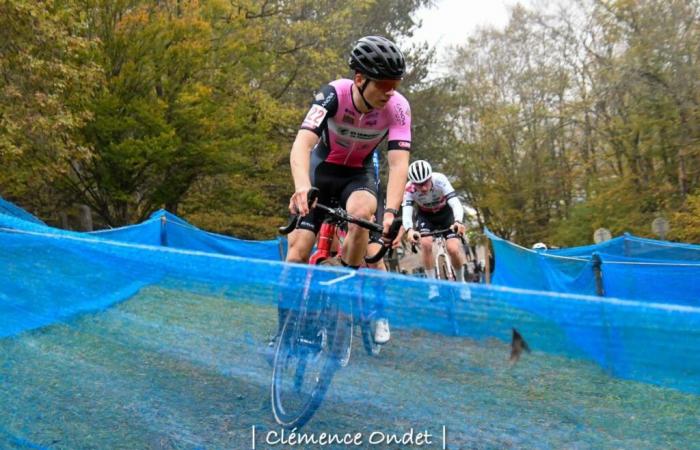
(632, 268)
(112, 344)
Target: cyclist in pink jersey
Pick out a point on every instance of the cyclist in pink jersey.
(347, 119)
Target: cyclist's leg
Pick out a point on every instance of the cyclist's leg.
(457, 258)
(445, 219)
(427, 257)
(300, 242)
(360, 201)
(428, 222)
(424, 225)
(426, 244)
(382, 333)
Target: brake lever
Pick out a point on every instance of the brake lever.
(294, 220)
(387, 241)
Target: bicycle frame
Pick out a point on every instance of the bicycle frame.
(443, 263)
(325, 242)
(361, 317)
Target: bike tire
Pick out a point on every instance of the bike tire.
(371, 347)
(299, 324)
(443, 269)
(341, 345)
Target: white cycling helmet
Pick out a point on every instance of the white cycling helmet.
(419, 171)
(539, 246)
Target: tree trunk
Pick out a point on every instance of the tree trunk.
(85, 218)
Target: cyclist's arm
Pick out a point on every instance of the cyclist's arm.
(399, 146)
(457, 209)
(407, 208)
(323, 107)
(398, 170)
(444, 184)
(300, 158)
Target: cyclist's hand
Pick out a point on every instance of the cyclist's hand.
(386, 225)
(299, 202)
(458, 228)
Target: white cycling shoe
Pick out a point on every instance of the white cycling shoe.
(465, 293)
(381, 331)
(433, 293)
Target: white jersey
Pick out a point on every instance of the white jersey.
(433, 200)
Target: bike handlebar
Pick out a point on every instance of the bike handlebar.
(451, 229)
(343, 216)
(311, 197)
(386, 241)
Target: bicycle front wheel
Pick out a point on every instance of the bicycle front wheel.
(306, 358)
(444, 270)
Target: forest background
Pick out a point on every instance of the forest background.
(573, 117)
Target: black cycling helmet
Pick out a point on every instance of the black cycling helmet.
(378, 58)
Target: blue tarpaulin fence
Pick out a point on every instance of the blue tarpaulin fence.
(630, 268)
(172, 339)
(162, 228)
(10, 209)
(168, 230)
(73, 273)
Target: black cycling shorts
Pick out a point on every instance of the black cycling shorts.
(335, 184)
(443, 219)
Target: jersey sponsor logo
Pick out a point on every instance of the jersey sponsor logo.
(399, 115)
(347, 118)
(404, 144)
(315, 116)
(342, 143)
(371, 123)
(328, 100)
(320, 96)
(357, 134)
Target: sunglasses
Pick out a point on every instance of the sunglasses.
(425, 183)
(387, 85)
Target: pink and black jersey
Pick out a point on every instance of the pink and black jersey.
(348, 136)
